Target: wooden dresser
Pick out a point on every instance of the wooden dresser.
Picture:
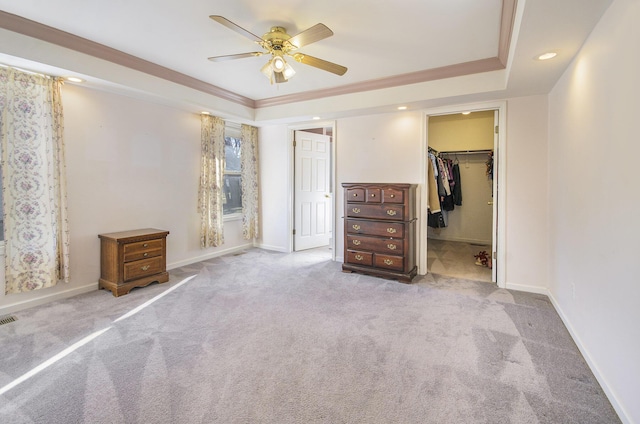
(380, 230)
(133, 258)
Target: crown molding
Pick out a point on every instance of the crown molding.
(450, 71)
(65, 39)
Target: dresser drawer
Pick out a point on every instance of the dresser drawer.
(356, 195)
(395, 263)
(391, 195)
(381, 211)
(143, 249)
(360, 258)
(142, 268)
(374, 195)
(376, 244)
(375, 228)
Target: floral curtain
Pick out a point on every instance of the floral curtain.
(249, 157)
(33, 181)
(211, 178)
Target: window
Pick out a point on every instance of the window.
(232, 188)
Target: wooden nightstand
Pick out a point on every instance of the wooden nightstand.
(133, 258)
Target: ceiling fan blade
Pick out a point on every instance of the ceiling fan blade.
(234, 56)
(320, 64)
(237, 28)
(315, 33)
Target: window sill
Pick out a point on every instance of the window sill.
(232, 217)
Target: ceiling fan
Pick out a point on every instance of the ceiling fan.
(279, 44)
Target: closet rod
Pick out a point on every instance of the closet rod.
(466, 152)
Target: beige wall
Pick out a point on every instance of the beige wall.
(130, 164)
(462, 132)
(594, 203)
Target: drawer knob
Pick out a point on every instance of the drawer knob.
(373, 195)
(391, 230)
(145, 254)
(391, 246)
(145, 245)
(146, 267)
(388, 261)
(356, 210)
(356, 242)
(356, 227)
(355, 194)
(392, 196)
(359, 257)
(391, 212)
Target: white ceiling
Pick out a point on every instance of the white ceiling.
(375, 39)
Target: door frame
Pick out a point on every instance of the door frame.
(500, 142)
(291, 129)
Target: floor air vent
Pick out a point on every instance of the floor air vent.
(7, 319)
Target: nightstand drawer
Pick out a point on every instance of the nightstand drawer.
(143, 249)
(137, 269)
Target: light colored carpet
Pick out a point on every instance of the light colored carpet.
(267, 337)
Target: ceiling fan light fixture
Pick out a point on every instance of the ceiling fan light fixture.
(288, 71)
(277, 70)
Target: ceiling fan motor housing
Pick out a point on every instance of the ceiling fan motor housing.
(276, 37)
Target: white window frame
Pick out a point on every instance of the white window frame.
(232, 129)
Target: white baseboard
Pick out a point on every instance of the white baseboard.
(24, 304)
(272, 248)
(527, 288)
(211, 255)
(622, 414)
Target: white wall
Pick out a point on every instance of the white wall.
(389, 148)
(527, 210)
(594, 202)
(130, 164)
(376, 149)
(275, 186)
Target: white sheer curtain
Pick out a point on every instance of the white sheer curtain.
(211, 179)
(249, 158)
(33, 181)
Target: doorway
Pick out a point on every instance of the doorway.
(313, 203)
(461, 238)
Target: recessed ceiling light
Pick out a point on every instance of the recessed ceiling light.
(74, 79)
(547, 56)
(204, 112)
(316, 118)
(466, 113)
(402, 108)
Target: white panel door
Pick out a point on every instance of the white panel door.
(313, 202)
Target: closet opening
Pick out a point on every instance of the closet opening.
(462, 195)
